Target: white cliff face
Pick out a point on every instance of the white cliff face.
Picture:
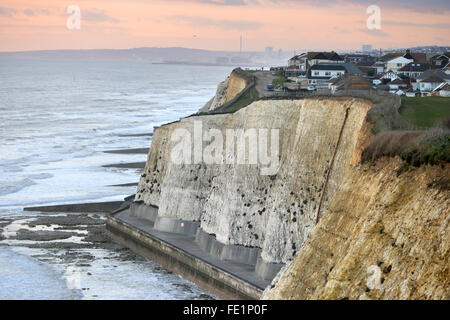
(236, 202)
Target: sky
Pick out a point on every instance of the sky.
(218, 24)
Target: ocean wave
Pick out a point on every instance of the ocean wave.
(40, 176)
(8, 187)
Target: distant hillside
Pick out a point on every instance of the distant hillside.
(158, 55)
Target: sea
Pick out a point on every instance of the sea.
(57, 117)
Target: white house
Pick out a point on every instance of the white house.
(397, 84)
(431, 79)
(443, 89)
(320, 74)
(391, 75)
(397, 63)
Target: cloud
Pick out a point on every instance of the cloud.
(97, 16)
(7, 11)
(375, 32)
(220, 2)
(28, 12)
(242, 25)
(416, 24)
(429, 6)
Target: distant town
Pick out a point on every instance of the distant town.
(421, 71)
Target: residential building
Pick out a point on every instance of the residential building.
(320, 74)
(360, 58)
(397, 84)
(414, 69)
(440, 61)
(431, 79)
(443, 90)
(305, 60)
(349, 81)
(397, 63)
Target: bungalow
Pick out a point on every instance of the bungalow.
(397, 84)
(414, 70)
(305, 60)
(294, 61)
(410, 93)
(440, 61)
(325, 57)
(360, 58)
(430, 83)
(397, 63)
(397, 60)
(391, 75)
(320, 74)
(443, 90)
(379, 66)
(349, 81)
(431, 79)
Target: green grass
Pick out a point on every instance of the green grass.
(426, 112)
(279, 80)
(244, 101)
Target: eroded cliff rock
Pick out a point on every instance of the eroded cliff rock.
(383, 236)
(237, 203)
(227, 90)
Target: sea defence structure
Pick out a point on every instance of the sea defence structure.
(231, 228)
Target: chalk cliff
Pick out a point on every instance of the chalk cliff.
(383, 236)
(238, 204)
(227, 90)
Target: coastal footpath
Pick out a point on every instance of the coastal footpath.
(381, 232)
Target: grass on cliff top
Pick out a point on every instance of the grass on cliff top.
(414, 147)
(245, 100)
(425, 112)
(279, 80)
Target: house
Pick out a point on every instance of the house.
(325, 57)
(410, 93)
(397, 63)
(390, 75)
(397, 84)
(396, 60)
(320, 74)
(440, 61)
(432, 81)
(442, 90)
(414, 69)
(367, 69)
(349, 81)
(379, 66)
(294, 61)
(360, 58)
(305, 60)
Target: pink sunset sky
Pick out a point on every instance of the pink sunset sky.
(218, 24)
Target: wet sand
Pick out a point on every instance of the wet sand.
(130, 165)
(132, 184)
(95, 207)
(78, 243)
(136, 135)
(129, 151)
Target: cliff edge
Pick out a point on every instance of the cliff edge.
(383, 236)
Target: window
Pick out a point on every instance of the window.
(316, 73)
(399, 64)
(328, 73)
